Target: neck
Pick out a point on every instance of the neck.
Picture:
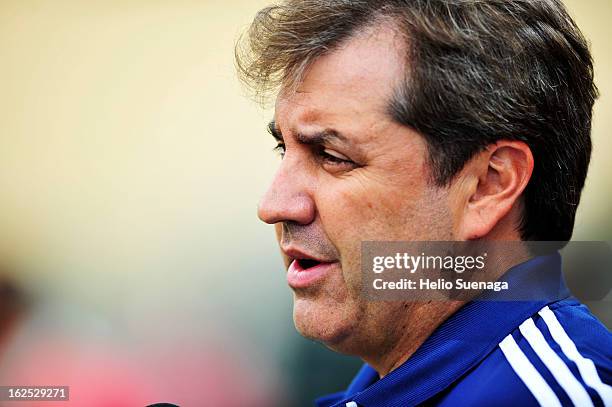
(416, 321)
(425, 317)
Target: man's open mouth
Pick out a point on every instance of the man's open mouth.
(305, 272)
(307, 263)
(300, 261)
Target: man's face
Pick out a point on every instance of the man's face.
(349, 174)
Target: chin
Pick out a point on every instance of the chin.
(322, 321)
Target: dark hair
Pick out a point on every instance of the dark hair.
(477, 71)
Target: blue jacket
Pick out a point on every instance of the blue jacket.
(550, 352)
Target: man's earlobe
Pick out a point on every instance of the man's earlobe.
(501, 174)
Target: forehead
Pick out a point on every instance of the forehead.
(354, 81)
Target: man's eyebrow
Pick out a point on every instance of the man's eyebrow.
(318, 137)
(321, 137)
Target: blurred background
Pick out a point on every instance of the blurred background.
(133, 267)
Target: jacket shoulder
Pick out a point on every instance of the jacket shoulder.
(562, 355)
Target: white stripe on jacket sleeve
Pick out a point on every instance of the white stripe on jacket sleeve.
(528, 373)
(555, 364)
(586, 367)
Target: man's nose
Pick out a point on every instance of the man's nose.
(288, 198)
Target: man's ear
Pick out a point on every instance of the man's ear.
(493, 182)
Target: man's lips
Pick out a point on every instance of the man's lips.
(293, 252)
(298, 276)
(304, 269)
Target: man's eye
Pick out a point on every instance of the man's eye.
(280, 149)
(334, 157)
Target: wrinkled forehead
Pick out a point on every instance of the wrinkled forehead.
(356, 79)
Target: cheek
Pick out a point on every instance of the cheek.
(369, 212)
(357, 211)
(353, 213)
